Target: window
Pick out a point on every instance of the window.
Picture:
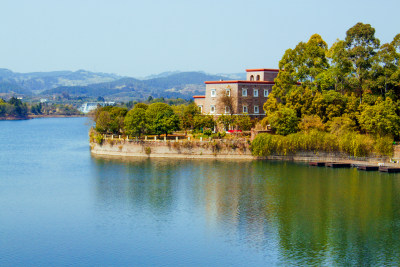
(227, 109)
(245, 109)
(213, 93)
(258, 77)
(212, 109)
(228, 92)
(251, 78)
(255, 92)
(200, 108)
(244, 92)
(256, 109)
(266, 92)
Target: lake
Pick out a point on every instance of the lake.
(59, 206)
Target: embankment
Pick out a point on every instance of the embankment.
(215, 149)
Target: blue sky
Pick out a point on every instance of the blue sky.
(139, 38)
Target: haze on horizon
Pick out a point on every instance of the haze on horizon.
(140, 38)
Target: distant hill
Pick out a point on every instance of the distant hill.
(94, 84)
(181, 84)
(35, 82)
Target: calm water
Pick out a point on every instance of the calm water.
(61, 207)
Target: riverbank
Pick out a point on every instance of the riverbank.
(216, 149)
(40, 116)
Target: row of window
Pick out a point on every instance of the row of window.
(244, 92)
(227, 110)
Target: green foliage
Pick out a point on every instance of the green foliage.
(309, 122)
(340, 85)
(99, 139)
(135, 121)
(141, 105)
(226, 120)
(283, 121)
(110, 119)
(203, 122)
(187, 114)
(161, 119)
(341, 125)
(13, 108)
(380, 119)
(207, 132)
(243, 122)
(103, 122)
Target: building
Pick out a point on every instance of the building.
(89, 106)
(238, 97)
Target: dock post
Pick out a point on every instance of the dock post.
(176, 138)
(155, 138)
(201, 139)
(145, 138)
(165, 139)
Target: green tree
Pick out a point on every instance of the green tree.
(141, 105)
(161, 119)
(135, 121)
(361, 46)
(243, 122)
(189, 113)
(380, 119)
(202, 122)
(103, 122)
(283, 121)
(226, 120)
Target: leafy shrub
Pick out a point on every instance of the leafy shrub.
(99, 139)
(207, 132)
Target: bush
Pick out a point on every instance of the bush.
(99, 139)
(207, 132)
(353, 144)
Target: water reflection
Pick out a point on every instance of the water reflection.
(315, 216)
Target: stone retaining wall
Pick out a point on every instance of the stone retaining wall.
(215, 149)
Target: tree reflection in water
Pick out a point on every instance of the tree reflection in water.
(306, 215)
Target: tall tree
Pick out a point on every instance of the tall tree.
(135, 121)
(161, 119)
(361, 47)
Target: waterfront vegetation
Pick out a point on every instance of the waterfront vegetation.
(163, 119)
(14, 108)
(340, 99)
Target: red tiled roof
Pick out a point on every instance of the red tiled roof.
(199, 96)
(250, 70)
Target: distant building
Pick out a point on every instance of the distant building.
(242, 97)
(89, 106)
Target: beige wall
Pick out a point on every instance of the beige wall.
(264, 75)
(238, 99)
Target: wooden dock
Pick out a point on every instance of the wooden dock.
(318, 164)
(367, 168)
(337, 165)
(388, 169)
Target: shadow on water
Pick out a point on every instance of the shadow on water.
(310, 215)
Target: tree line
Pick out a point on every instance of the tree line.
(13, 108)
(160, 118)
(353, 86)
